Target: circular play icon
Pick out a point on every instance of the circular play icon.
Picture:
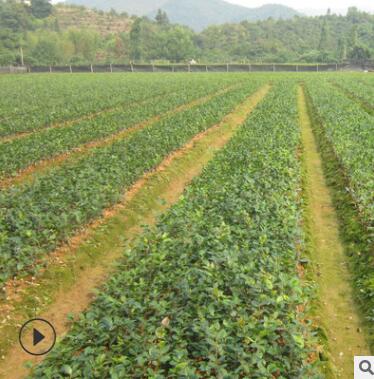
(37, 336)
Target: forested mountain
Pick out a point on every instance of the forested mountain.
(197, 14)
(47, 35)
(329, 38)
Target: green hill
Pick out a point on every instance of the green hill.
(196, 14)
(77, 35)
(103, 23)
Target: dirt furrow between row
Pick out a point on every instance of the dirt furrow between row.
(338, 314)
(84, 264)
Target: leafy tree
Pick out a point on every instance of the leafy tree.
(14, 22)
(85, 42)
(13, 16)
(177, 44)
(359, 53)
(354, 15)
(341, 53)
(162, 17)
(354, 35)
(46, 51)
(41, 8)
(323, 42)
(7, 57)
(136, 40)
(117, 47)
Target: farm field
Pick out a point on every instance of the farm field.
(188, 225)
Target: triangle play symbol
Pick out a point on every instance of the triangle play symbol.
(37, 337)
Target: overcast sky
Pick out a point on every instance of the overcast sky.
(315, 4)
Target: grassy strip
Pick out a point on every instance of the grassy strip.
(310, 267)
(310, 272)
(21, 153)
(213, 291)
(357, 238)
(37, 217)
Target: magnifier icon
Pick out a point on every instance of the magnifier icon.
(365, 366)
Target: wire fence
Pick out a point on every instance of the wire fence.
(112, 68)
(13, 69)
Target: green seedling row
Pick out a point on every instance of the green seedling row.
(21, 153)
(350, 130)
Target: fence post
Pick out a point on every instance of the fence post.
(92, 68)
(111, 68)
(336, 67)
(50, 69)
(71, 69)
(172, 68)
(206, 68)
(189, 68)
(153, 67)
(227, 67)
(132, 67)
(317, 67)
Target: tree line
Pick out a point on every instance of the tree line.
(31, 34)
